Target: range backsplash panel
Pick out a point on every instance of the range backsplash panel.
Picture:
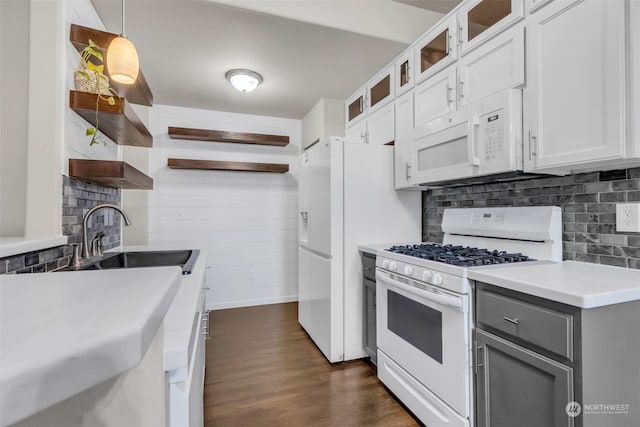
(588, 203)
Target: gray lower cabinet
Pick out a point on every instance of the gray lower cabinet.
(369, 305)
(542, 363)
(517, 387)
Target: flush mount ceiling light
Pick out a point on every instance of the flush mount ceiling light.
(122, 58)
(243, 80)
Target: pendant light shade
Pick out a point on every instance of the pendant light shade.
(243, 80)
(122, 58)
(122, 61)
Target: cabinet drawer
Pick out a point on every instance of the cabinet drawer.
(543, 327)
(369, 267)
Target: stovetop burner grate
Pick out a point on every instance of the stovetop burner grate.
(461, 256)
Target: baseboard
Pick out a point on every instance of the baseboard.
(252, 302)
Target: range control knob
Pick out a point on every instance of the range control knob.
(393, 266)
(436, 279)
(385, 263)
(426, 276)
(408, 270)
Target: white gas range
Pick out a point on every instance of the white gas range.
(424, 303)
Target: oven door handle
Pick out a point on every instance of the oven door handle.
(448, 300)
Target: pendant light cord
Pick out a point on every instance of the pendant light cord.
(123, 33)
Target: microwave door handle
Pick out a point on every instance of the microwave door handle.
(447, 300)
(475, 124)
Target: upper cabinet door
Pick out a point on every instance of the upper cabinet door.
(404, 73)
(435, 50)
(381, 126)
(402, 151)
(381, 89)
(480, 20)
(574, 101)
(436, 96)
(357, 132)
(355, 107)
(492, 67)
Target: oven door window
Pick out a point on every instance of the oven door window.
(415, 323)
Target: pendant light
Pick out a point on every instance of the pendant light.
(122, 58)
(243, 80)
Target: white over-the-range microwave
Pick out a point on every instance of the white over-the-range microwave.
(478, 140)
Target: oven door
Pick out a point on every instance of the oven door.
(425, 331)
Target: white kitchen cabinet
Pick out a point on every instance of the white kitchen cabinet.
(481, 20)
(436, 49)
(404, 72)
(186, 389)
(492, 67)
(357, 132)
(496, 65)
(325, 119)
(381, 126)
(533, 5)
(436, 96)
(376, 94)
(574, 102)
(402, 149)
(378, 128)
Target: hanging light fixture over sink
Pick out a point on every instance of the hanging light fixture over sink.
(122, 58)
(243, 80)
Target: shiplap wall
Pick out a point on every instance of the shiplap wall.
(247, 221)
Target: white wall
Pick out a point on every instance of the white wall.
(14, 86)
(39, 130)
(83, 13)
(247, 221)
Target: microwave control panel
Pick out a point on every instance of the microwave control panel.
(492, 133)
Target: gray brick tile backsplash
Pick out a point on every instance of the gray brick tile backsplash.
(588, 203)
(77, 198)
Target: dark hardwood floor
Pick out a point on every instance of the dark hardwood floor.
(263, 370)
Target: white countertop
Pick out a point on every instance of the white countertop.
(19, 245)
(374, 248)
(179, 320)
(62, 333)
(579, 284)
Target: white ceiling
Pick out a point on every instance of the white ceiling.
(304, 49)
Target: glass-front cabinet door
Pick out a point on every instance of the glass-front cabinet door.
(404, 73)
(381, 89)
(480, 20)
(355, 107)
(435, 50)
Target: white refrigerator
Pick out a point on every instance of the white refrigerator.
(346, 198)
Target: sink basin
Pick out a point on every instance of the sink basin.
(185, 258)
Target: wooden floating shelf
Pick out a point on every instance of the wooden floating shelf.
(224, 136)
(119, 122)
(110, 173)
(137, 93)
(227, 166)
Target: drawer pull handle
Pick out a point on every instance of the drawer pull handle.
(510, 320)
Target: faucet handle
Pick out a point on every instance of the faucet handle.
(75, 257)
(96, 244)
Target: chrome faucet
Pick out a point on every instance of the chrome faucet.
(85, 219)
